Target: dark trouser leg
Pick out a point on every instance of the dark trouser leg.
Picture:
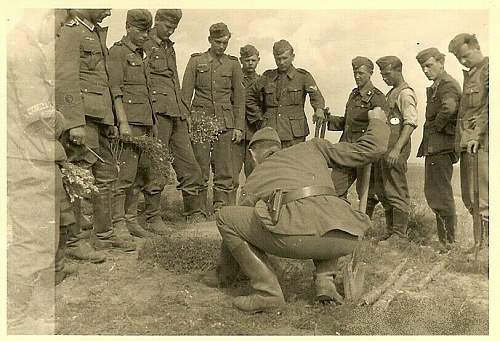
(174, 133)
(248, 160)
(202, 153)
(289, 143)
(238, 157)
(223, 172)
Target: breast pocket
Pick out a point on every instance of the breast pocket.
(93, 100)
(90, 54)
(270, 95)
(135, 69)
(472, 96)
(202, 76)
(295, 96)
(158, 62)
(226, 80)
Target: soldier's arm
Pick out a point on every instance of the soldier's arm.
(336, 123)
(482, 121)
(450, 97)
(368, 148)
(67, 78)
(188, 82)
(254, 101)
(238, 97)
(407, 103)
(315, 97)
(29, 88)
(115, 68)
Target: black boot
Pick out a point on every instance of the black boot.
(400, 222)
(441, 229)
(324, 285)
(226, 272)
(371, 203)
(388, 212)
(450, 223)
(268, 294)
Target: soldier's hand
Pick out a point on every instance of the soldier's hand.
(319, 116)
(237, 136)
(393, 156)
(77, 135)
(124, 129)
(377, 113)
(472, 146)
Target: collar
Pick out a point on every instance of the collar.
(211, 57)
(126, 41)
(290, 73)
(250, 75)
(477, 67)
(367, 89)
(167, 43)
(85, 22)
(438, 80)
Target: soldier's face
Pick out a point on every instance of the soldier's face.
(165, 29)
(218, 45)
(389, 76)
(137, 36)
(284, 60)
(96, 16)
(249, 64)
(362, 75)
(468, 56)
(432, 68)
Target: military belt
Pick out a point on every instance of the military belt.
(306, 192)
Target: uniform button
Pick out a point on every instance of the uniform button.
(133, 63)
(84, 90)
(130, 101)
(154, 91)
(157, 57)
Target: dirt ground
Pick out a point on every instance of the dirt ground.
(157, 290)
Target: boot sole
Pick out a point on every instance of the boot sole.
(93, 261)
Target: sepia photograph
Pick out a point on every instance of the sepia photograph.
(213, 170)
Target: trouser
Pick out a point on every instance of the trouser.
(37, 209)
(135, 171)
(239, 224)
(466, 182)
(105, 174)
(437, 184)
(241, 158)
(219, 154)
(344, 177)
(173, 132)
(289, 143)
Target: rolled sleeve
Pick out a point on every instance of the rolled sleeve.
(407, 103)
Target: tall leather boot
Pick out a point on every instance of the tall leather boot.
(389, 222)
(450, 223)
(226, 272)
(119, 222)
(154, 222)
(400, 222)
(221, 199)
(486, 233)
(203, 197)
(59, 263)
(132, 224)
(80, 248)
(441, 229)
(324, 285)
(263, 280)
(193, 210)
(371, 203)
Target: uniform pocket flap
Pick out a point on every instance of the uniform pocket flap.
(94, 89)
(131, 99)
(202, 68)
(134, 60)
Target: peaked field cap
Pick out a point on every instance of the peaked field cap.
(459, 40)
(359, 61)
(265, 134)
(172, 16)
(219, 30)
(386, 61)
(248, 51)
(281, 47)
(424, 55)
(140, 18)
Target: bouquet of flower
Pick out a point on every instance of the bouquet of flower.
(78, 182)
(203, 128)
(156, 151)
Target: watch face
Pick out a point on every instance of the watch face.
(394, 120)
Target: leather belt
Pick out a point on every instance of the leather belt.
(306, 192)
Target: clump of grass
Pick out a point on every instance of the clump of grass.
(182, 255)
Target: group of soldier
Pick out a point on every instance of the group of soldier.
(134, 89)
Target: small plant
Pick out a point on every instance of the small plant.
(78, 181)
(203, 128)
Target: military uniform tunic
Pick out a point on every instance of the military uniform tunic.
(171, 111)
(83, 97)
(473, 124)
(218, 94)
(353, 125)
(278, 99)
(437, 144)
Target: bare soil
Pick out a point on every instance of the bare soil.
(156, 290)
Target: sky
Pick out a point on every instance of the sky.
(325, 41)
